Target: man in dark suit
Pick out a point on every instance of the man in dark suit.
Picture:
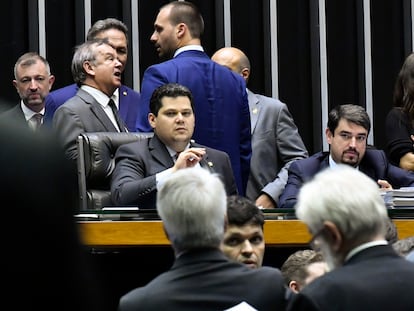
(126, 99)
(192, 206)
(223, 119)
(33, 81)
(346, 214)
(38, 187)
(96, 68)
(346, 133)
(140, 167)
(276, 142)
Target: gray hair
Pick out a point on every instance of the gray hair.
(346, 197)
(84, 52)
(192, 206)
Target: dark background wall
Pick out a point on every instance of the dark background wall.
(298, 50)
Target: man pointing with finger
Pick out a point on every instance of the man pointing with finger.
(140, 167)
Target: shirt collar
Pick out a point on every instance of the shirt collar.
(333, 164)
(28, 113)
(99, 96)
(364, 246)
(188, 48)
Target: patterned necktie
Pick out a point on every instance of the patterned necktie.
(116, 115)
(38, 120)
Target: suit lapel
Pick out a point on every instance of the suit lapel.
(205, 162)
(254, 107)
(159, 152)
(97, 110)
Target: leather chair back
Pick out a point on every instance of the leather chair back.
(96, 152)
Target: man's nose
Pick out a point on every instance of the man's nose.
(353, 141)
(247, 247)
(33, 84)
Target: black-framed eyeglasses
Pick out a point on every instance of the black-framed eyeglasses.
(314, 243)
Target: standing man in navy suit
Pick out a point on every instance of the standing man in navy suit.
(221, 106)
(126, 99)
(346, 134)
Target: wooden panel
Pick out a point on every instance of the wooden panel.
(151, 233)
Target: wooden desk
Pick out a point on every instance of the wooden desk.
(150, 233)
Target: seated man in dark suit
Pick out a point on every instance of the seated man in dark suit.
(141, 166)
(346, 133)
(192, 206)
(346, 214)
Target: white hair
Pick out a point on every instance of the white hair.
(346, 197)
(192, 205)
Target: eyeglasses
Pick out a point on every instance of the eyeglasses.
(314, 243)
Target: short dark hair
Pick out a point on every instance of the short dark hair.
(352, 113)
(168, 90)
(242, 211)
(105, 24)
(187, 13)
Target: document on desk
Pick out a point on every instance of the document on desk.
(403, 197)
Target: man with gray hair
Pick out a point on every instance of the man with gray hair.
(125, 98)
(97, 70)
(192, 205)
(346, 215)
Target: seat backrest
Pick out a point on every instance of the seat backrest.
(96, 152)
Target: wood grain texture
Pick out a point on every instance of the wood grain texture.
(150, 233)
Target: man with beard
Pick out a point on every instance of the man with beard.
(346, 133)
(346, 215)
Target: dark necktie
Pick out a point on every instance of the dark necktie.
(116, 115)
(38, 119)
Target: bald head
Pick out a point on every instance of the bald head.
(234, 59)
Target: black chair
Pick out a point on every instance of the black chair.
(96, 163)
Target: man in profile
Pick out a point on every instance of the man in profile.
(126, 99)
(222, 110)
(346, 215)
(302, 267)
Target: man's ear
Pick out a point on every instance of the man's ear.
(294, 286)
(328, 135)
(245, 73)
(181, 28)
(333, 235)
(152, 119)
